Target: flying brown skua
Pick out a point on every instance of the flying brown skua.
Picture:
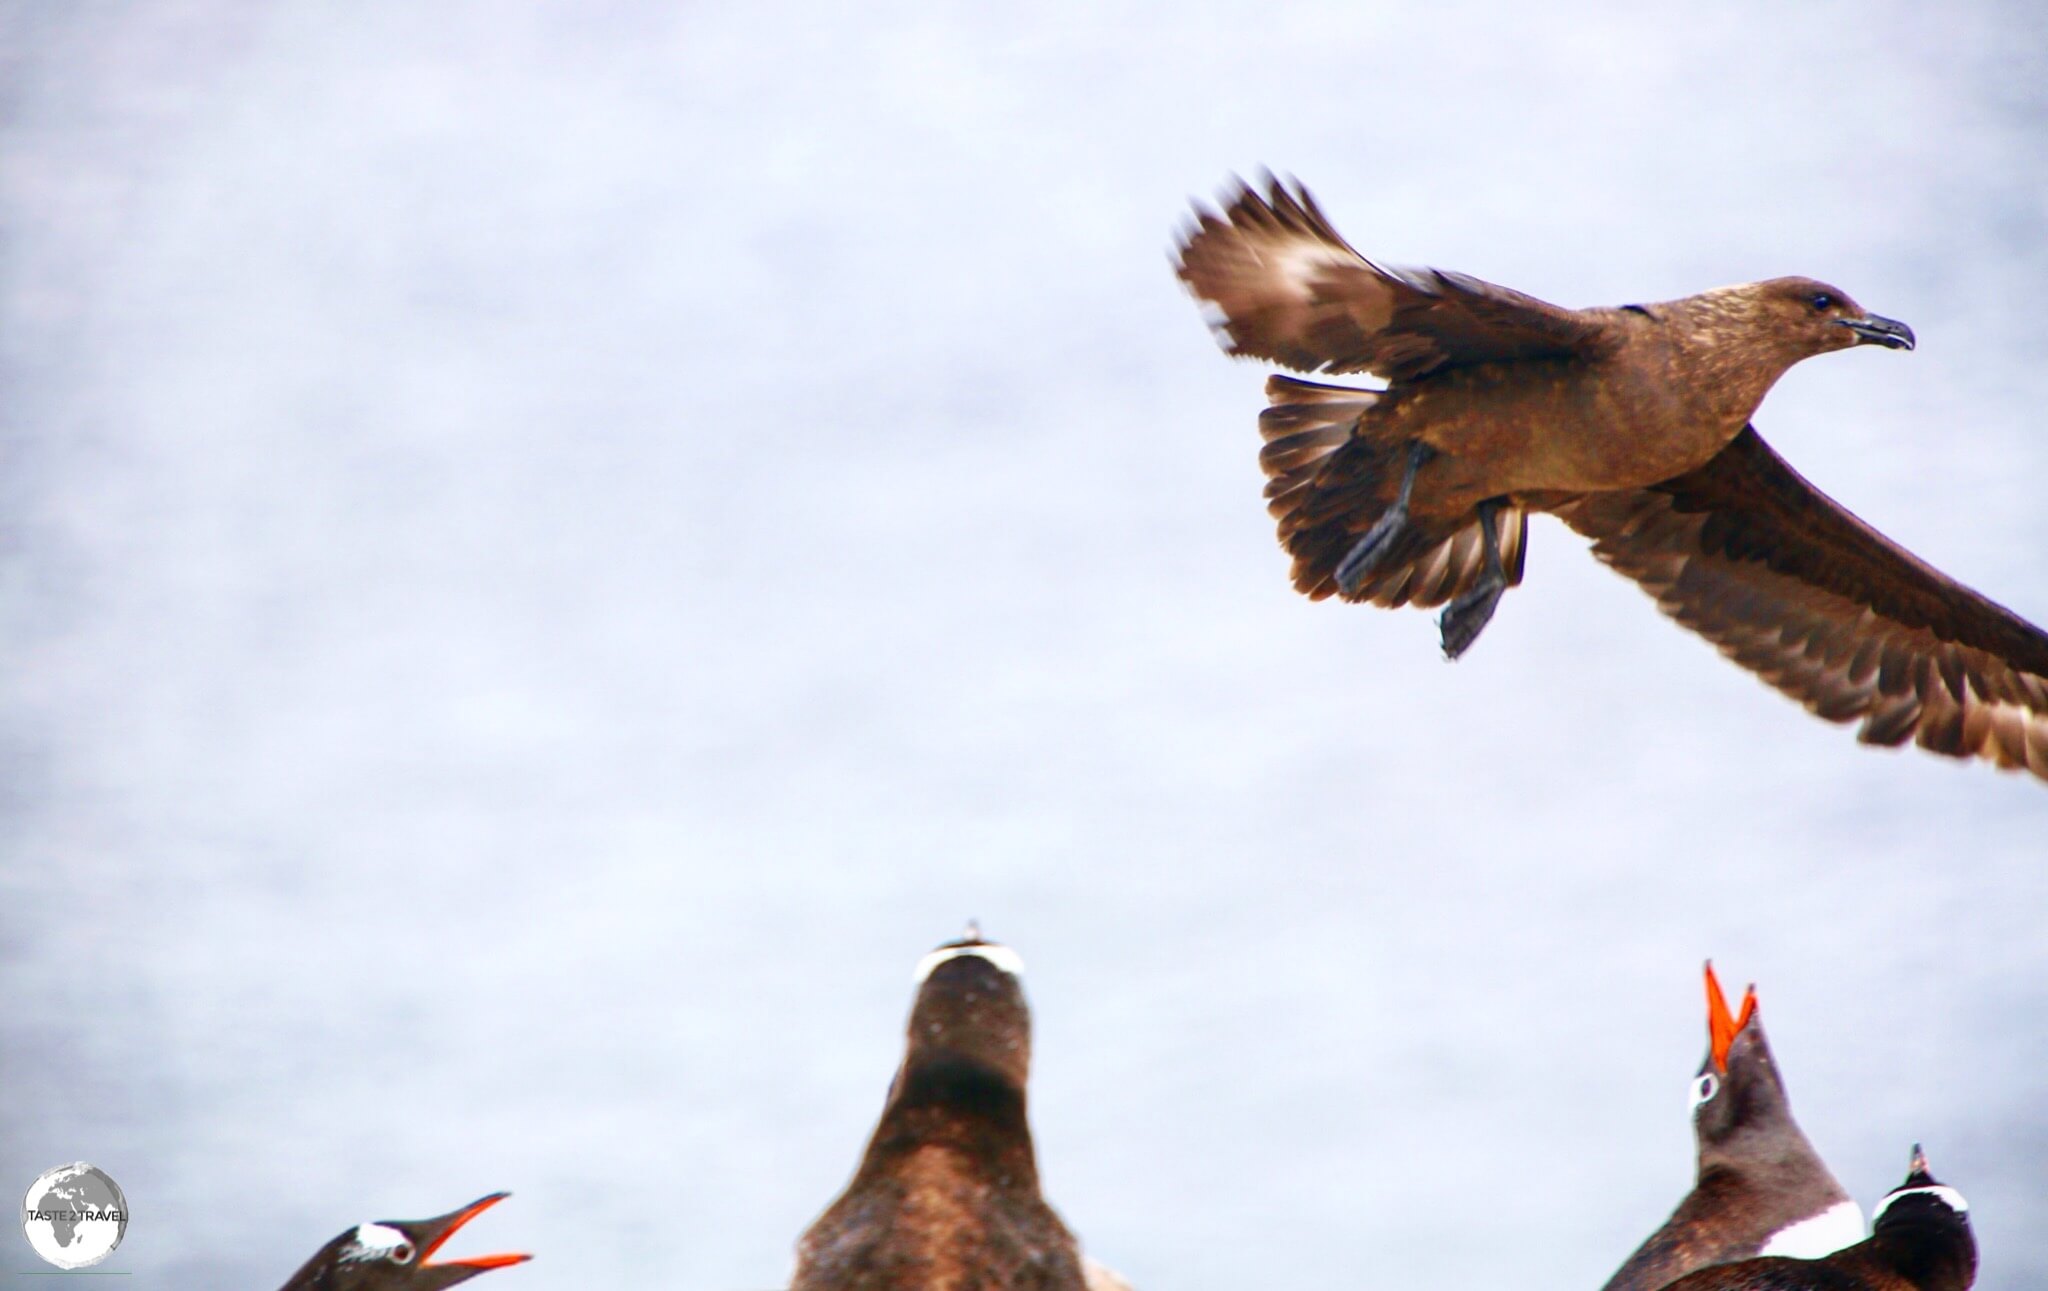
(1632, 425)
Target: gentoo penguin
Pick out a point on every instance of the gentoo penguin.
(1920, 1240)
(397, 1255)
(946, 1198)
(1761, 1189)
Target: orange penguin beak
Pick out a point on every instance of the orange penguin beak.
(435, 1233)
(1723, 1026)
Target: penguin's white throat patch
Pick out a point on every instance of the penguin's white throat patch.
(1839, 1225)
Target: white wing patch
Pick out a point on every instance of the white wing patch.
(1009, 961)
(1300, 262)
(372, 1242)
(1947, 1195)
(1839, 1225)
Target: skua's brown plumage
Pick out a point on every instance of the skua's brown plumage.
(1632, 425)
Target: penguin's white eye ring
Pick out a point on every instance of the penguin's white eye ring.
(1704, 1089)
(402, 1253)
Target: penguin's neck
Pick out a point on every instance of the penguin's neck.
(965, 1109)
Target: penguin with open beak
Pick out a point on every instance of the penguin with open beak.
(1920, 1240)
(947, 1194)
(398, 1255)
(1760, 1189)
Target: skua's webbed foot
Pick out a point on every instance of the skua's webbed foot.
(1372, 546)
(1464, 618)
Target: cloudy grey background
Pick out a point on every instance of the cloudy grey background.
(551, 550)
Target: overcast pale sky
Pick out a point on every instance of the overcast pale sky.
(551, 550)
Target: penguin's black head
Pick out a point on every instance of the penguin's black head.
(1737, 1091)
(970, 1021)
(1920, 1198)
(1923, 1229)
(397, 1255)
